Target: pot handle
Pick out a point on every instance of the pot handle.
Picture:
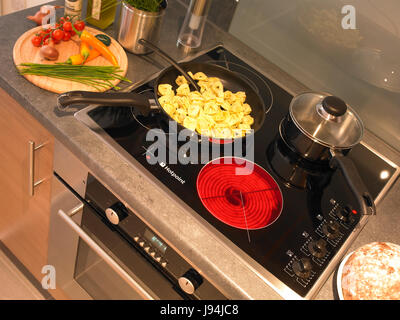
(109, 99)
(357, 186)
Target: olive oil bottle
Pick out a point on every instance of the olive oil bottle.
(73, 9)
(101, 13)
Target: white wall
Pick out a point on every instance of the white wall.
(9, 6)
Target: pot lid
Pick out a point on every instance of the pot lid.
(327, 120)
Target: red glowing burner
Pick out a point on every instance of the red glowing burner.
(239, 193)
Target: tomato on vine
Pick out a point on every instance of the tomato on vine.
(67, 36)
(79, 25)
(67, 26)
(37, 41)
(64, 19)
(63, 31)
(57, 35)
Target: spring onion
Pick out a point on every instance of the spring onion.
(97, 77)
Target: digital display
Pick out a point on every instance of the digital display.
(157, 243)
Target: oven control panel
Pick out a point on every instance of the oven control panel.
(153, 246)
(166, 259)
(149, 243)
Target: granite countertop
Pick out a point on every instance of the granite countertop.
(191, 237)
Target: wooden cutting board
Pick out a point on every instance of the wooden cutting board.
(25, 52)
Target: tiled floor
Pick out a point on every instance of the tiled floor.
(13, 284)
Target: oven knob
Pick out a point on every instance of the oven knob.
(317, 248)
(116, 213)
(302, 268)
(190, 281)
(331, 229)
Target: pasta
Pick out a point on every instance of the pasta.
(212, 111)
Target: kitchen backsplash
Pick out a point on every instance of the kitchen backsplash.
(221, 12)
(306, 38)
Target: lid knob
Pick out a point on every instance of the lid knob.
(334, 106)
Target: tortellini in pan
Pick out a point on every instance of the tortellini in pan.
(212, 111)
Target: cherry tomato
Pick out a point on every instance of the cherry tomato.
(43, 33)
(73, 33)
(67, 26)
(79, 25)
(37, 41)
(57, 35)
(64, 19)
(46, 37)
(67, 36)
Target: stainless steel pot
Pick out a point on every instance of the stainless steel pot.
(318, 123)
(323, 128)
(135, 24)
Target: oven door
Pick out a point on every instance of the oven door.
(92, 261)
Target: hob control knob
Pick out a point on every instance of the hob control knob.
(331, 229)
(190, 281)
(344, 214)
(302, 267)
(317, 248)
(116, 213)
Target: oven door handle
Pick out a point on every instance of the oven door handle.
(96, 248)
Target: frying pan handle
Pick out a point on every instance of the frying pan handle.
(167, 57)
(109, 99)
(357, 186)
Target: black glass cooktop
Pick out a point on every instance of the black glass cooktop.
(304, 202)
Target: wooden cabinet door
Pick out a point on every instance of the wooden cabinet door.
(24, 218)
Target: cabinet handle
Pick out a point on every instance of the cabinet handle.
(32, 184)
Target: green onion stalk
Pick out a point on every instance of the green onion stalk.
(98, 77)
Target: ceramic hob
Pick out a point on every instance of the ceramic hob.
(290, 216)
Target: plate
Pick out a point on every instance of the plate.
(25, 52)
(339, 275)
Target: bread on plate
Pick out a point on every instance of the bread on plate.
(372, 272)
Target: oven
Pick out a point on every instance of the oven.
(100, 249)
